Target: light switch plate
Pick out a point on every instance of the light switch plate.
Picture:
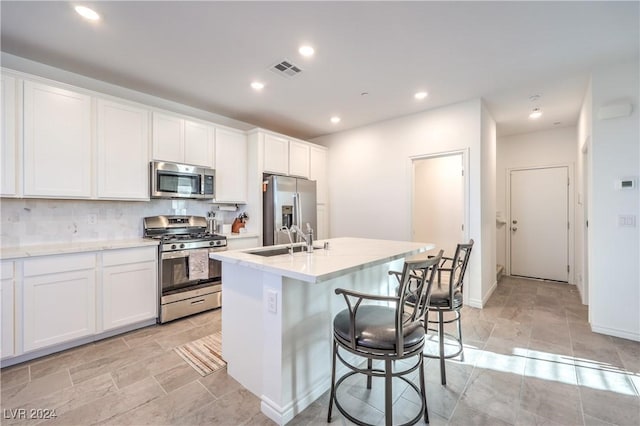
(272, 301)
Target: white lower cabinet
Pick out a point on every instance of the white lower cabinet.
(7, 342)
(58, 300)
(129, 286)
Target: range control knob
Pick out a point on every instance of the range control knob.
(173, 246)
(212, 243)
(182, 245)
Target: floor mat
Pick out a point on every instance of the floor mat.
(204, 355)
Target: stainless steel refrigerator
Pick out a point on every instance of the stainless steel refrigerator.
(287, 201)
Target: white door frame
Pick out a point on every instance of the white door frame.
(465, 189)
(571, 218)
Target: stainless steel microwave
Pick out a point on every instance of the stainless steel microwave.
(173, 180)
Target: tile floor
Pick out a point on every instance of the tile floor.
(530, 359)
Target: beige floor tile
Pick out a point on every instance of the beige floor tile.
(555, 401)
(166, 410)
(177, 376)
(67, 399)
(234, 408)
(611, 407)
(113, 362)
(220, 383)
(111, 405)
(465, 415)
(22, 394)
(12, 376)
(146, 367)
(494, 393)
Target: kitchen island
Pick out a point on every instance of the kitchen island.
(278, 311)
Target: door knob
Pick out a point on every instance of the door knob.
(514, 228)
(514, 222)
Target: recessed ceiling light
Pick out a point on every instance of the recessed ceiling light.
(335, 119)
(535, 114)
(306, 50)
(420, 95)
(87, 13)
(256, 85)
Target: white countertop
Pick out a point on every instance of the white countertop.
(73, 247)
(343, 256)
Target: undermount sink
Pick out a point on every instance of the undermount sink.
(278, 251)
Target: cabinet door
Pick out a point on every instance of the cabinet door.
(8, 159)
(298, 159)
(168, 138)
(129, 291)
(198, 146)
(59, 299)
(318, 172)
(276, 155)
(7, 310)
(57, 142)
(123, 151)
(231, 166)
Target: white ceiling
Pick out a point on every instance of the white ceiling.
(205, 54)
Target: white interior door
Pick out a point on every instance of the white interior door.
(438, 201)
(539, 223)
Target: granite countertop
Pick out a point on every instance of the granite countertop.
(343, 256)
(7, 253)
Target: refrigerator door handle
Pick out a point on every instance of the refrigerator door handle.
(295, 209)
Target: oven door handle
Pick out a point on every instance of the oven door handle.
(175, 254)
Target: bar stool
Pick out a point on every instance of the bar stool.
(388, 333)
(446, 296)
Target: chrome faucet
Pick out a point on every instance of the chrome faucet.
(285, 229)
(308, 237)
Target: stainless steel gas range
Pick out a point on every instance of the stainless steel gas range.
(188, 280)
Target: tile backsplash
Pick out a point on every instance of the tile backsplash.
(26, 222)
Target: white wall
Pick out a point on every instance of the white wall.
(614, 294)
(583, 155)
(550, 147)
(370, 177)
(488, 203)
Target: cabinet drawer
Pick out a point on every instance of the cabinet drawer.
(132, 255)
(57, 264)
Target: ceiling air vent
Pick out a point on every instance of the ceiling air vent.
(286, 68)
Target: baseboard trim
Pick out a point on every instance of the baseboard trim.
(624, 334)
(283, 415)
(479, 303)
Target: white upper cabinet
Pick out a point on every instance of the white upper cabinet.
(276, 154)
(8, 150)
(299, 159)
(318, 172)
(198, 144)
(57, 142)
(231, 166)
(123, 151)
(182, 141)
(168, 138)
